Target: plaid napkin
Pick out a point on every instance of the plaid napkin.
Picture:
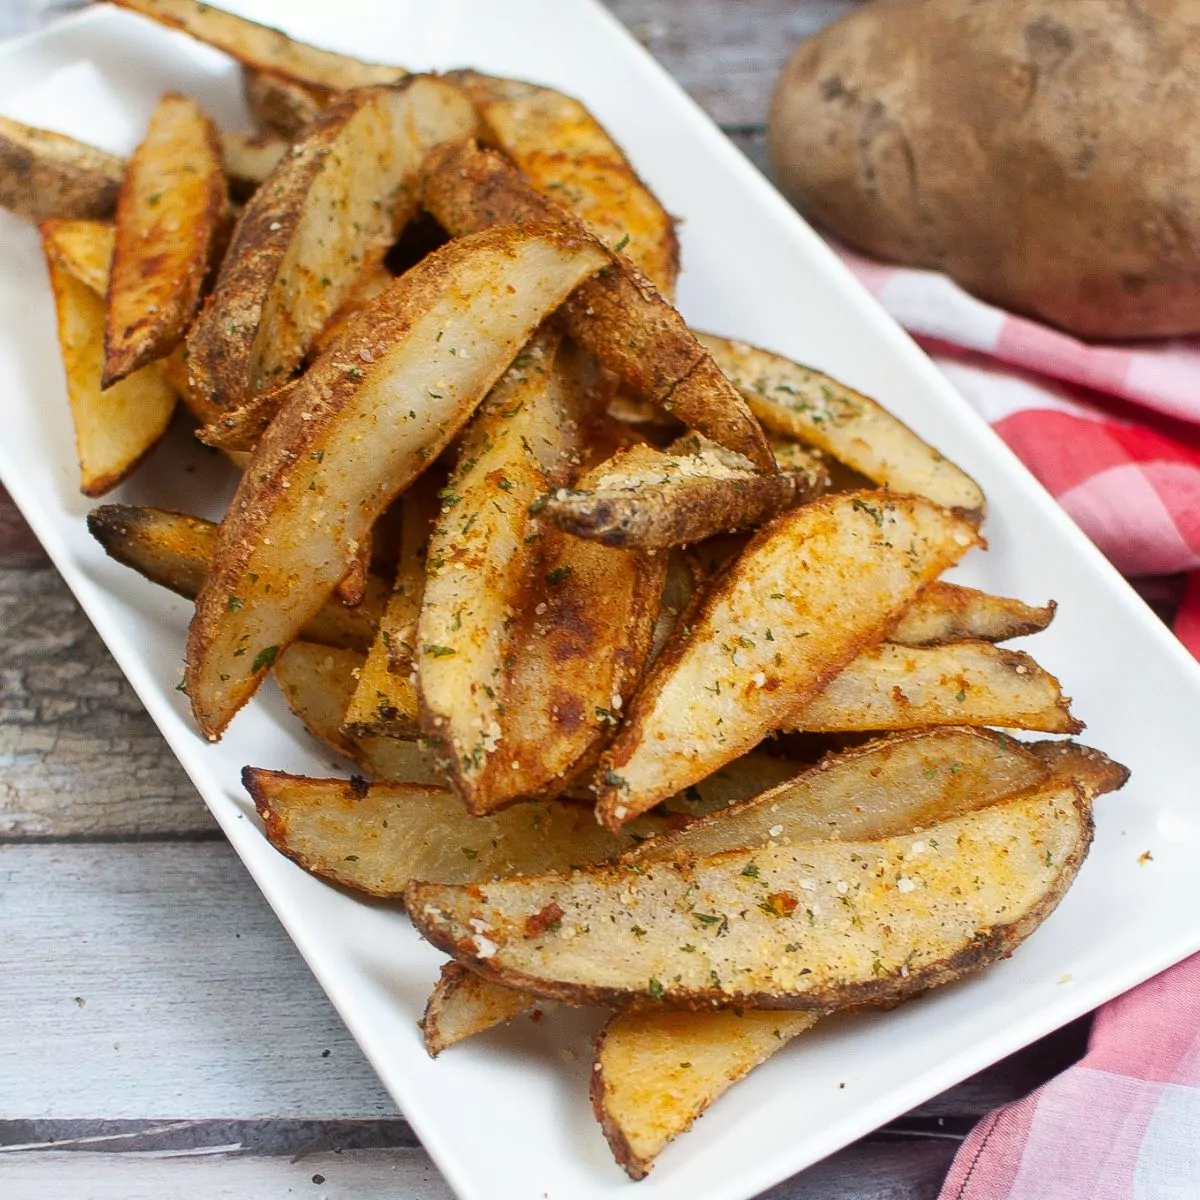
(1114, 433)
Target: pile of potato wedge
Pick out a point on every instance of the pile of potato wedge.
(639, 633)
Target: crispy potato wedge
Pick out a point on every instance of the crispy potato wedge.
(367, 417)
(262, 47)
(882, 789)
(384, 703)
(329, 211)
(171, 214)
(378, 837)
(174, 550)
(46, 175)
(965, 683)
(249, 159)
(646, 499)
(811, 591)
(317, 683)
(114, 428)
(946, 612)
(809, 925)
(84, 248)
(818, 410)
(656, 1072)
(1091, 770)
(618, 317)
(568, 155)
(462, 1005)
(480, 557)
(278, 104)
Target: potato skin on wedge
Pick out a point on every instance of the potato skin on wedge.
(171, 214)
(369, 415)
(811, 925)
(812, 590)
(656, 1072)
(46, 176)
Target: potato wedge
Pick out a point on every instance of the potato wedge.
(329, 211)
(811, 925)
(279, 105)
(568, 155)
(83, 247)
(463, 1005)
(480, 556)
(384, 703)
(46, 175)
(378, 837)
(171, 214)
(818, 410)
(317, 683)
(646, 499)
(882, 789)
(249, 159)
(114, 428)
(368, 416)
(946, 612)
(656, 1072)
(174, 550)
(370, 284)
(262, 47)
(618, 317)
(812, 590)
(965, 683)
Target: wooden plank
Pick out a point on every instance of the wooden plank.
(874, 1169)
(727, 55)
(153, 980)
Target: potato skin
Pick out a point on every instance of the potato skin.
(1042, 154)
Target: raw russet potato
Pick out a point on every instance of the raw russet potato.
(1043, 154)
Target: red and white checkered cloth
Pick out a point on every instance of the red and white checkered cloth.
(1114, 434)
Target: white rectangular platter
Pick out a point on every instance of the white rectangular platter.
(507, 1117)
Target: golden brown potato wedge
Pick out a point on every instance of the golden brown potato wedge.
(329, 211)
(279, 105)
(618, 317)
(463, 1005)
(262, 47)
(964, 683)
(363, 290)
(317, 683)
(368, 416)
(647, 499)
(812, 590)
(46, 175)
(568, 155)
(816, 409)
(882, 789)
(656, 1072)
(174, 550)
(114, 428)
(171, 214)
(378, 837)
(385, 700)
(249, 159)
(83, 247)
(946, 612)
(808, 925)
(480, 557)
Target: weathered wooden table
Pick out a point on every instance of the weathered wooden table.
(159, 1035)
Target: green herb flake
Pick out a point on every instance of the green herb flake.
(264, 660)
(438, 651)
